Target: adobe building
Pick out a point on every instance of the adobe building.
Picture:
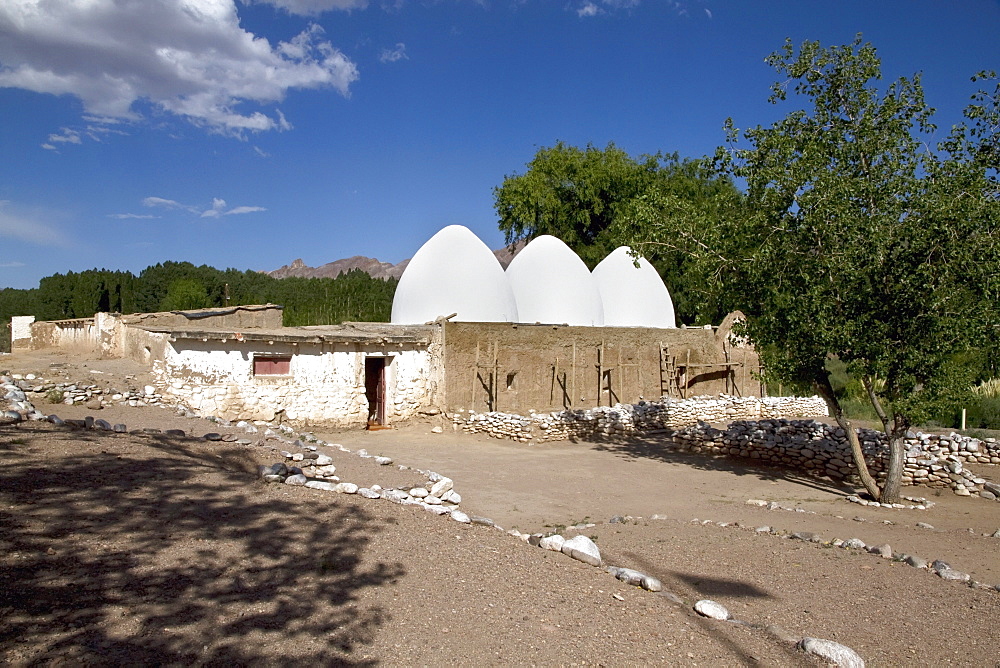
(456, 343)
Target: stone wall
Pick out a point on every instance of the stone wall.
(758, 430)
(632, 419)
(235, 318)
(78, 335)
(20, 332)
(115, 335)
(933, 460)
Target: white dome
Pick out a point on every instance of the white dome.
(552, 285)
(633, 296)
(454, 272)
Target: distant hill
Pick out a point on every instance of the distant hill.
(369, 265)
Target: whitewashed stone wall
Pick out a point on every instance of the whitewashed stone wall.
(20, 332)
(758, 429)
(644, 416)
(933, 460)
(324, 386)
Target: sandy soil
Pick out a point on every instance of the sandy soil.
(143, 549)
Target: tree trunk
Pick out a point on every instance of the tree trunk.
(826, 391)
(894, 470)
(895, 434)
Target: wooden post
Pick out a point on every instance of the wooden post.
(744, 384)
(555, 380)
(496, 376)
(475, 372)
(638, 377)
(600, 373)
(687, 375)
(621, 377)
(572, 399)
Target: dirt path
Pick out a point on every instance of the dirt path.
(131, 549)
(536, 487)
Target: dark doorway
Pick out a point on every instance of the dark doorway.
(375, 391)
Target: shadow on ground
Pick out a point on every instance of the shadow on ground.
(660, 448)
(145, 550)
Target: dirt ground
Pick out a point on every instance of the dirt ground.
(144, 549)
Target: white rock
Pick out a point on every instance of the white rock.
(369, 493)
(419, 492)
(708, 608)
(324, 460)
(346, 488)
(432, 500)
(554, 543)
(636, 579)
(395, 495)
(383, 461)
(582, 549)
(317, 484)
(437, 510)
(833, 652)
(441, 486)
(459, 516)
(451, 496)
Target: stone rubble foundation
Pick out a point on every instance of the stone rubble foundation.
(630, 419)
(758, 430)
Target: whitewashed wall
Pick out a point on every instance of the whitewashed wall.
(326, 385)
(20, 332)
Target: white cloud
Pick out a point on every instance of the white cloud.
(68, 137)
(592, 8)
(11, 265)
(131, 216)
(244, 209)
(392, 55)
(166, 203)
(314, 7)
(28, 228)
(217, 210)
(187, 57)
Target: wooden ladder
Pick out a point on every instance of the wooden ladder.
(668, 373)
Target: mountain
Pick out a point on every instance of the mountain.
(370, 265)
(333, 269)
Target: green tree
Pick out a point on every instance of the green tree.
(859, 242)
(577, 195)
(185, 294)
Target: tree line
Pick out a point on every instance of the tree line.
(168, 286)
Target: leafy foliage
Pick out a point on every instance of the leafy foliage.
(578, 195)
(858, 241)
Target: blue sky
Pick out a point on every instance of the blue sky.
(247, 134)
